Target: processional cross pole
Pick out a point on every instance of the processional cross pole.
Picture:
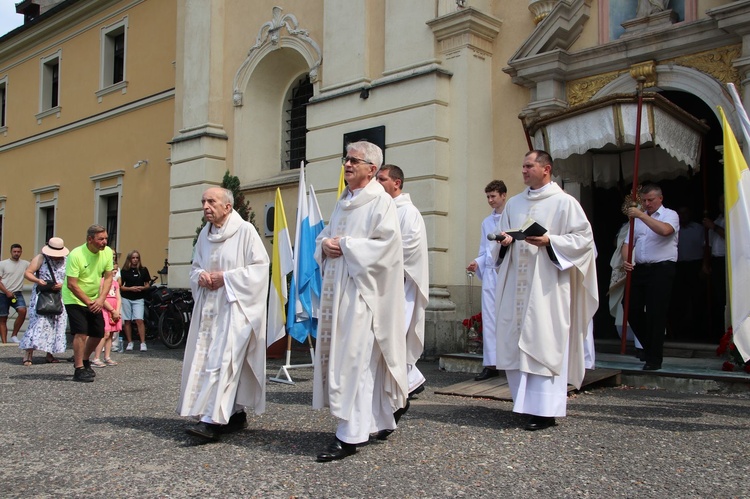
(633, 197)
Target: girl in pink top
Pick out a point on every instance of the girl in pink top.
(112, 324)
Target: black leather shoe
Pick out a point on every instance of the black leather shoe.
(651, 367)
(416, 391)
(640, 354)
(337, 450)
(539, 423)
(382, 434)
(486, 373)
(207, 431)
(237, 422)
(397, 415)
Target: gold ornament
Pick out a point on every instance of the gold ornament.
(630, 203)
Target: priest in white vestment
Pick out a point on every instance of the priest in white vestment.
(360, 355)
(225, 356)
(416, 271)
(484, 267)
(546, 295)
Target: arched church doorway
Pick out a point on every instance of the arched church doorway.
(693, 193)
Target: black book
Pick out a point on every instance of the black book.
(529, 228)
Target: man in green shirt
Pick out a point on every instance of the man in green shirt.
(83, 274)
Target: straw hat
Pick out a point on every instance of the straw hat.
(55, 247)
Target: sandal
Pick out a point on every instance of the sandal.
(26, 362)
(51, 359)
(110, 362)
(98, 363)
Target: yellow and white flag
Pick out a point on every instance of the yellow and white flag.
(737, 215)
(281, 264)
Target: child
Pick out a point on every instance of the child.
(484, 267)
(112, 325)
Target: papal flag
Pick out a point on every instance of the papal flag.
(737, 215)
(281, 265)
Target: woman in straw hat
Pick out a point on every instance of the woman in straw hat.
(46, 332)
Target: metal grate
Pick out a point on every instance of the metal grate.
(296, 124)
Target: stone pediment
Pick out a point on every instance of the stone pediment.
(558, 30)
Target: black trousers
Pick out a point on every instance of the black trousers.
(718, 297)
(650, 292)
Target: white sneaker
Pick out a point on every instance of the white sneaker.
(129, 347)
(14, 339)
(143, 347)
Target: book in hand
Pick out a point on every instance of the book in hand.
(529, 228)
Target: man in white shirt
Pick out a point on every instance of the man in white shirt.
(686, 306)
(653, 263)
(718, 272)
(11, 283)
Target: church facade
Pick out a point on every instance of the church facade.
(456, 91)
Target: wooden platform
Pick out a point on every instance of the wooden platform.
(497, 388)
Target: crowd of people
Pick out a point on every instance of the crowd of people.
(76, 291)
(539, 296)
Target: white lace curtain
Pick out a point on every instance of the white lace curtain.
(668, 146)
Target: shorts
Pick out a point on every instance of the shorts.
(82, 321)
(5, 303)
(132, 310)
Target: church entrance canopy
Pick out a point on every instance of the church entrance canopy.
(595, 141)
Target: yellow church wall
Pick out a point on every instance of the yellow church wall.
(93, 140)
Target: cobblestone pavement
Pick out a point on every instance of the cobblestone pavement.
(120, 437)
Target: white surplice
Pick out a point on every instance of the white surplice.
(225, 354)
(544, 308)
(416, 282)
(362, 304)
(486, 271)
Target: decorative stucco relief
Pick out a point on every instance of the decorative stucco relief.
(541, 8)
(583, 89)
(717, 63)
(270, 38)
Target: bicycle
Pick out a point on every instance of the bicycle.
(155, 303)
(174, 322)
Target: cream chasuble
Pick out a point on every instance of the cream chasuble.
(542, 308)
(363, 294)
(225, 354)
(416, 268)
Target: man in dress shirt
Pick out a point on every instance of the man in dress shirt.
(653, 263)
(717, 271)
(686, 309)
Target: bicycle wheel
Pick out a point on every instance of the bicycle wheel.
(172, 328)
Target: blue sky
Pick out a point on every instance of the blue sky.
(9, 20)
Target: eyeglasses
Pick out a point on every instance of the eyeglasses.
(354, 161)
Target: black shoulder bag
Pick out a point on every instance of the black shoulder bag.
(49, 302)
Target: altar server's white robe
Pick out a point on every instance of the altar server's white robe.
(486, 271)
(416, 282)
(225, 354)
(361, 320)
(544, 308)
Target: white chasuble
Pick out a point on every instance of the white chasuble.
(362, 296)
(416, 270)
(225, 354)
(544, 307)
